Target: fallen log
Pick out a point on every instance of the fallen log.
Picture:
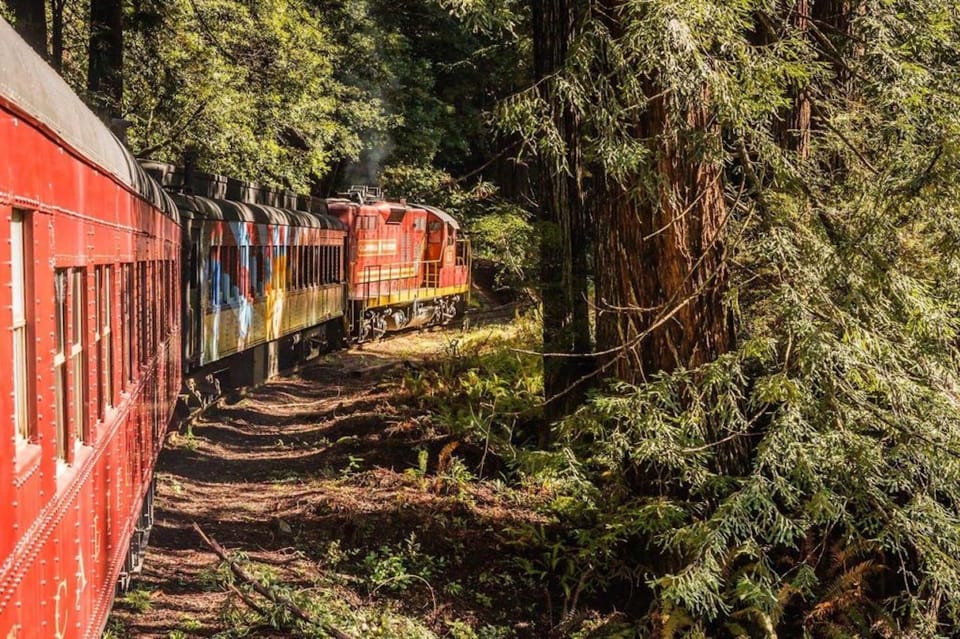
(248, 579)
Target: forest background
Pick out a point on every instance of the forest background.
(740, 219)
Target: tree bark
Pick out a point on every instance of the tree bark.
(56, 23)
(661, 275)
(563, 218)
(105, 70)
(30, 20)
(788, 18)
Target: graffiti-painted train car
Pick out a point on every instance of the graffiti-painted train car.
(265, 283)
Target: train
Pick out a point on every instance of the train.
(132, 287)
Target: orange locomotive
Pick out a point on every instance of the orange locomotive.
(408, 266)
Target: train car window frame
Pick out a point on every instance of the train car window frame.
(78, 364)
(106, 332)
(126, 324)
(98, 345)
(234, 281)
(156, 333)
(143, 319)
(261, 271)
(61, 400)
(324, 265)
(23, 349)
(268, 273)
(214, 274)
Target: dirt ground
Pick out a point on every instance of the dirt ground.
(319, 479)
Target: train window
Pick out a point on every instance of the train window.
(451, 235)
(289, 266)
(420, 223)
(229, 269)
(143, 323)
(396, 215)
(258, 253)
(306, 265)
(324, 264)
(153, 305)
(213, 275)
(267, 269)
(97, 338)
(60, 361)
(19, 243)
(126, 325)
(106, 332)
(78, 365)
(366, 222)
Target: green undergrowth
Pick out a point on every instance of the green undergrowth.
(485, 388)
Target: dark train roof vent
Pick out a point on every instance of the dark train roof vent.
(220, 187)
(365, 194)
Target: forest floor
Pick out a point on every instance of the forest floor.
(333, 490)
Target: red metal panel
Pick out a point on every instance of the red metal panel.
(60, 558)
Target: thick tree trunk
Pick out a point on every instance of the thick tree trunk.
(563, 218)
(661, 275)
(105, 70)
(56, 11)
(30, 18)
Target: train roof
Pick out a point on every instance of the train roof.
(195, 206)
(33, 88)
(443, 215)
(384, 207)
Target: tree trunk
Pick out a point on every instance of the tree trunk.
(105, 70)
(56, 13)
(563, 219)
(30, 20)
(661, 275)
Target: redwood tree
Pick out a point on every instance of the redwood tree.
(105, 70)
(562, 214)
(30, 21)
(660, 269)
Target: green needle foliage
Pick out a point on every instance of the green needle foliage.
(805, 483)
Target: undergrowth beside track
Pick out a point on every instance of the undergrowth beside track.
(383, 493)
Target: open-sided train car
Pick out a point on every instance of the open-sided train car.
(89, 250)
(409, 265)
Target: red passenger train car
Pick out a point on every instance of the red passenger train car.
(89, 249)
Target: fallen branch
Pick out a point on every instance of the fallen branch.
(285, 603)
